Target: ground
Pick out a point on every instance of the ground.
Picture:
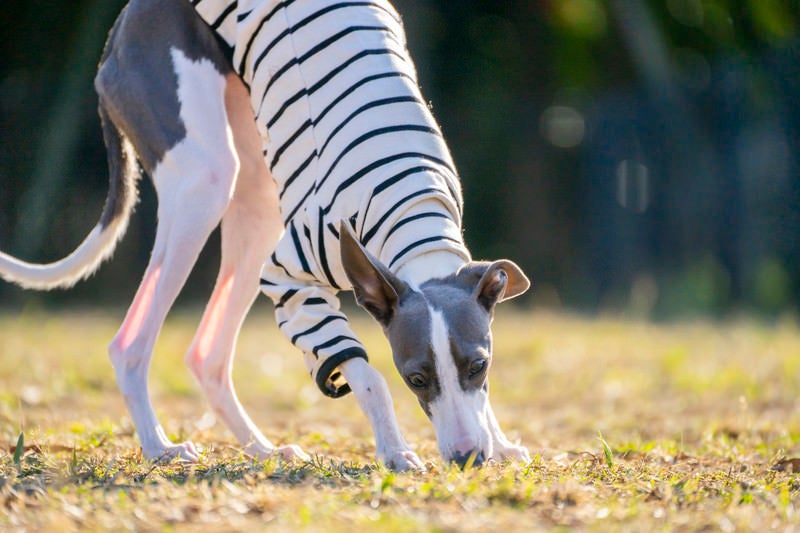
(632, 425)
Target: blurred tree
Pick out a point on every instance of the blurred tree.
(63, 126)
(612, 147)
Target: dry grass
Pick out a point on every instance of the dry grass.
(633, 426)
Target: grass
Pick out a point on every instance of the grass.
(632, 426)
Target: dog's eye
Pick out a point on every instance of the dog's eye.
(477, 367)
(417, 381)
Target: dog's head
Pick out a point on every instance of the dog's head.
(441, 340)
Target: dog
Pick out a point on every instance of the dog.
(298, 127)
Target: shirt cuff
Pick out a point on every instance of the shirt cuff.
(329, 380)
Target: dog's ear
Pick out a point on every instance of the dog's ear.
(376, 289)
(501, 281)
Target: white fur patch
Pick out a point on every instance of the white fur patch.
(201, 108)
(458, 416)
(207, 131)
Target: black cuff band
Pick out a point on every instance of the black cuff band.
(326, 382)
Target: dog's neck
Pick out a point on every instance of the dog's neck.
(430, 265)
(439, 260)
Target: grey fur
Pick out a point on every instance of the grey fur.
(136, 68)
(466, 300)
(469, 326)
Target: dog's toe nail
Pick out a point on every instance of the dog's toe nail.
(292, 452)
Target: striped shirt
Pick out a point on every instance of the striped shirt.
(347, 136)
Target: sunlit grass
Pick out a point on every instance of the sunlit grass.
(631, 425)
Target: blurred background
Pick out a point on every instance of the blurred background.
(633, 156)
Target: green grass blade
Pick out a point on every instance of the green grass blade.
(20, 449)
(606, 450)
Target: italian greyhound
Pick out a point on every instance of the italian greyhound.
(299, 127)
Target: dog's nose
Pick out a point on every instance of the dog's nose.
(473, 457)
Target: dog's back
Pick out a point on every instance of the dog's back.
(138, 107)
(137, 67)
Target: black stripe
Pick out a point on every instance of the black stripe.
(450, 180)
(269, 47)
(275, 262)
(323, 256)
(271, 122)
(267, 282)
(418, 243)
(285, 146)
(285, 298)
(308, 20)
(365, 107)
(359, 83)
(333, 230)
(382, 186)
(318, 48)
(294, 175)
(333, 342)
(303, 92)
(377, 164)
(299, 249)
(385, 184)
(369, 135)
(364, 53)
(223, 16)
(299, 205)
(306, 125)
(315, 301)
(330, 75)
(321, 324)
(253, 36)
(405, 221)
(374, 229)
(241, 16)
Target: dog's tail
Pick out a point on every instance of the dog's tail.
(102, 240)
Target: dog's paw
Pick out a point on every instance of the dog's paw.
(402, 461)
(511, 452)
(185, 451)
(290, 452)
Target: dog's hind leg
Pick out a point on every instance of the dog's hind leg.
(194, 180)
(251, 228)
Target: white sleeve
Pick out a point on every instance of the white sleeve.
(310, 318)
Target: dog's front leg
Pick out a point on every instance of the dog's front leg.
(502, 448)
(372, 394)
